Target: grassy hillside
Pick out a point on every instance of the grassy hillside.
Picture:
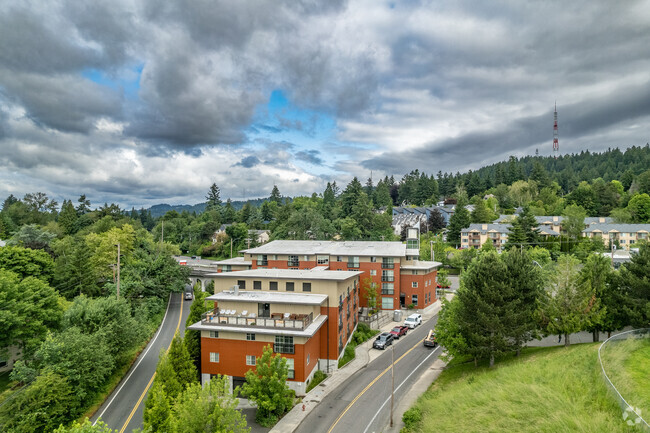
(627, 364)
(544, 390)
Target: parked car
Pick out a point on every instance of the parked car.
(384, 340)
(189, 296)
(441, 287)
(413, 320)
(430, 339)
(398, 331)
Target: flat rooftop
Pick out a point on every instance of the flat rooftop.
(422, 265)
(234, 261)
(258, 296)
(290, 274)
(309, 331)
(332, 248)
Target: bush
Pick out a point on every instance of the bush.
(363, 333)
(319, 376)
(411, 418)
(410, 306)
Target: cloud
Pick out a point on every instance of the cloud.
(249, 161)
(310, 156)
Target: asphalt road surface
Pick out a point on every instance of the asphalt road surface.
(122, 410)
(362, 405)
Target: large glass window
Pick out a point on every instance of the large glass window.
(293, 261)
(353, 262)
(388, 276)
(291, 367)
(415, 300)
(283, 344)
(387, 288)
(323, 260)
(387, 303)
(387, 263)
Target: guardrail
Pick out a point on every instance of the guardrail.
(631, 414)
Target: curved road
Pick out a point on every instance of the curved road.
(362, 404)
(122, 410)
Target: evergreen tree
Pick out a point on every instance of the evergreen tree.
(68, 217)
(84, 205)
(157, 410)
(182, 362)
(481, 214)
(350, 197)
(275, 196)
(229, 213)
(574, 221)
(486, 312)
(213, 198)
(569, 305)
(458, 221)
(524, 229)
(381, 195)
(635, 290)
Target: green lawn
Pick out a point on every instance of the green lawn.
(543, 390)
(627, 364)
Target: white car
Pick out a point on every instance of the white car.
(413, 320)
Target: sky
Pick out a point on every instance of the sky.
(146, 102)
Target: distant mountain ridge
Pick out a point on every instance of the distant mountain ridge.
(159, 210)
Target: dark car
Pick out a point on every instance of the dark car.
(398, 331)
(383, 340)
(430, 340)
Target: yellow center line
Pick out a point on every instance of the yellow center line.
(368, 387)
(146, 389)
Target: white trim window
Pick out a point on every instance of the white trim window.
(291, 367)
(414, 284)
(214, 334)
(214, 357)
(250, 360)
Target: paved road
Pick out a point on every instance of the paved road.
(122, 410)
(363, 403)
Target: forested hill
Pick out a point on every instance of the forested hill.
(567, 170)
(159, 210)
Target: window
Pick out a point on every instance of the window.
(289, 287)
(214, 334)
(415, 300)
(339, 258)
(293, 261)
(262, 260)
(387, 276)
(283, 344)
(250, 360)
(387, 263)
(353, 262)
(306, 258)
(387, 288)
(387, 303)
(414, 284)
(241, 284)
(373, 259)
(214, 357)
(250, 337)
(257, 285)
(226, 268)
(291, 367)
(411, 244)
(373, 272)
(273, 285)
(306, 287)
(322, 260)
(308, 359)
(274, 257)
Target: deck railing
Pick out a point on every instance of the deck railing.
(293, 321)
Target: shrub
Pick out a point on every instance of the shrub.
(319, 376)
(411, 418)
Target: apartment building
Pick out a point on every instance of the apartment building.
(393, 268)
(623, 235)
(476, 235)
(307, 315)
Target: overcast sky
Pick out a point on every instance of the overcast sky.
(145, 102)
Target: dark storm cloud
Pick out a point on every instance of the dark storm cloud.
(472, 150)
(310, 156)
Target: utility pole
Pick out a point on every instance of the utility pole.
(392, 378)
(231, 247)
(118, 270)
(431, 243)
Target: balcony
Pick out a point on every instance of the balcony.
(293, 263)
(262, 263)
(387, 265)
(387, 279)
(284, 348)
(277, 320)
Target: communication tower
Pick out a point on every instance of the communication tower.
(556, 145)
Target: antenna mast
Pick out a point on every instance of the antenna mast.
(556, 145)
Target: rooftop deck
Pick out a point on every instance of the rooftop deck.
(277, 320)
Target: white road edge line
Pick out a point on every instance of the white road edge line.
(400, 385)
(141, 358)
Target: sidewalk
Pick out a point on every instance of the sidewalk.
(363, 356)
